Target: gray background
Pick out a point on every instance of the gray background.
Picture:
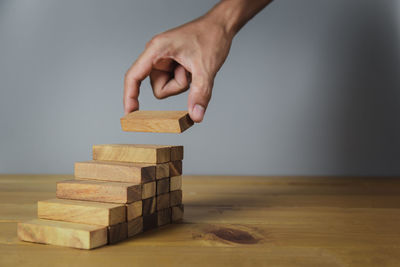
(310, 87)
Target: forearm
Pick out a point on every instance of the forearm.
(234, 14)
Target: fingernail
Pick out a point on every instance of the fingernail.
(198, 112)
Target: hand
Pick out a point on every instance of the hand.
(187, 56)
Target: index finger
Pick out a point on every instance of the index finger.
(134, 76)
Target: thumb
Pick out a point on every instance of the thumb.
(199, 96)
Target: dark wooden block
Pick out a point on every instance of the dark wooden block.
(149, 206)
(150, 221)
(175, 168)
(163, 201)
(117, 232)
(163, 186)
(164, 216)
(175, 198)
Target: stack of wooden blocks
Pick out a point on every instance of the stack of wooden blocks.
(123, 191)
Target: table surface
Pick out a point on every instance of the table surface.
(233, 221)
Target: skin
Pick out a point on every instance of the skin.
(189, 56)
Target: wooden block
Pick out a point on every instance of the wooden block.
(175, 198)
(175, 183)
(115, 171)
(148, 190)
(175, 168)
(132, 153)
(81, 211)
(66, 234)
(135, 226)
(149, 206)
(162, 170)
(177, 213)
(162, 186)
(176, 153)
(117, 232)
(164, 216)
(99, 191)
(163, 201)
(134, 210)
(150, 221)
(156, 121)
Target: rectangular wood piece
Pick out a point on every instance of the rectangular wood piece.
(176, 153)
(175, 198)
(83, 236)
(156, 121)
(150, 221)
(77, 211)
(135, 226)
(163, 201)
(117, 233)
(177, 213)
(175, 168)
(175, 183)
(132, 153)
(149, 206)
(115, 171)
(134, 210)
(148, 190)
(164, 217)
(162, 186)
(99, 191)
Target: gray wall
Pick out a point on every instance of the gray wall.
(310, 87)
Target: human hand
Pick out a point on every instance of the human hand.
(187, 56)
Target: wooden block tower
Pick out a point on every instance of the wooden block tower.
(123, 191)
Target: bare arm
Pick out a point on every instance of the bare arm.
(190, 56)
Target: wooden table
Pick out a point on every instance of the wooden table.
(233, 221)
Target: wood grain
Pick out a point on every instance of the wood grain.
(135, 226)
(149, 206)
(156, 121)
(132, 153)
(67, 234)
(176, 183)
(163, 201)
(175, 198)
(177, 213)
(162, 170)
(296, 221)
(176, 153)
(117, 232)
(134, 210)
(150, 221)
(175, 168)
(81, 211)
(115, 171)
(164, 216)
(99, 191)
(148, 190)
(162, 186)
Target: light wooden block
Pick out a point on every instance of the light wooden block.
(148, 190)
(150, 221)
(149, 206)
(82, 211)
(176, 153)
(175, 168)
(99, 191)
(134, 210)
(177, 213)
(163, 201)
(83, 236)
(115, 171)
(156, 121)
(164, 217)
(162, 186)
(135, 226)
(175, 183)
(117, 233)
(175, 198)
(132, 153)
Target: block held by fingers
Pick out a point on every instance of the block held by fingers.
(156, 121)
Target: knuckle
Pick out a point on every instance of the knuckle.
(156, 40)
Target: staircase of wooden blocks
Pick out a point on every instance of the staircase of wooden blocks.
(123, 191)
